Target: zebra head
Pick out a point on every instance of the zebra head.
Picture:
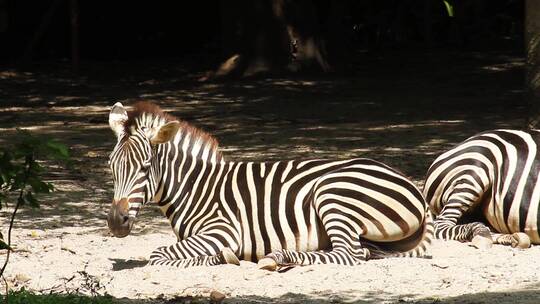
(134, 165)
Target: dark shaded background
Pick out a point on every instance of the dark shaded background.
(407, 92)
(192, 30)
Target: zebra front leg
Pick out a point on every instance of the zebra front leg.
(197, 250)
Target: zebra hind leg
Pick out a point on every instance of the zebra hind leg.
(477, 233)
(516, 240)
(345, 251)
(446, 226)
(285, 258)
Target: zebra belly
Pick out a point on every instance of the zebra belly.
(254, 247)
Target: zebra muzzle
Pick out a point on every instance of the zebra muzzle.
(119, 222)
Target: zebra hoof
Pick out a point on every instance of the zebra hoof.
(267, 264)
(229, 257)
(520, 240)
(482, 242)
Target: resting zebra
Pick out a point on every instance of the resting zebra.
(279, 213)
(493, 176)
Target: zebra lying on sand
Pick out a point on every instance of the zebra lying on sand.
(277, 213)
(491, 176)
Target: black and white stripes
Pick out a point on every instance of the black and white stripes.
(494, 173)
(280, 213)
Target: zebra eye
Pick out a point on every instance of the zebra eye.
(145, 130)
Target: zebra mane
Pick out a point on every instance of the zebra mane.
(150, 115)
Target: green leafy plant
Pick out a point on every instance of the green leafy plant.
(20, 176)
(25, 297)
(449, 8)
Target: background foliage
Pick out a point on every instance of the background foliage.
(21, 171)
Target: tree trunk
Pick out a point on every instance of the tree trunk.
(74, 18)
(532, 46)
(337, 35)
(428, 23)
(43, 26)
(304, 30)
(266, 46)
(262, 38)
(230, 27)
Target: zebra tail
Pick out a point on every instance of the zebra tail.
(420, 244)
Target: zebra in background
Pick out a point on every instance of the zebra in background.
(493, 176)
(280, 214)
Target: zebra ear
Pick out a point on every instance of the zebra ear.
(164, 133)
(117, 117)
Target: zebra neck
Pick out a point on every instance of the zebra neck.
(188, 191)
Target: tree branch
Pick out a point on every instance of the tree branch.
(7, 289)
(28, 163)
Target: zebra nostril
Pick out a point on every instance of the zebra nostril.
(118, 219)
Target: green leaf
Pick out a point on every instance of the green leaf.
(449, 8)
(21, 200)
(20, 169)
(3, 244)
(31, 200)
(7, 169)
(3, 199)
(18, 181)
(58, 150)
(38, 185)
(35, 167)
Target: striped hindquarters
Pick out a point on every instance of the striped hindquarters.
(387, 203)
(495, 171)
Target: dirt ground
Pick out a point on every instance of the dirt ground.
(402, 110)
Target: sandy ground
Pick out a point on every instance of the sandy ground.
(87, 260)
(404, 115)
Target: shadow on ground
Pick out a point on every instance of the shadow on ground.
(402, 109)
(122, 264)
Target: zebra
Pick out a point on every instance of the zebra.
(278, 214)
(491, 176)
